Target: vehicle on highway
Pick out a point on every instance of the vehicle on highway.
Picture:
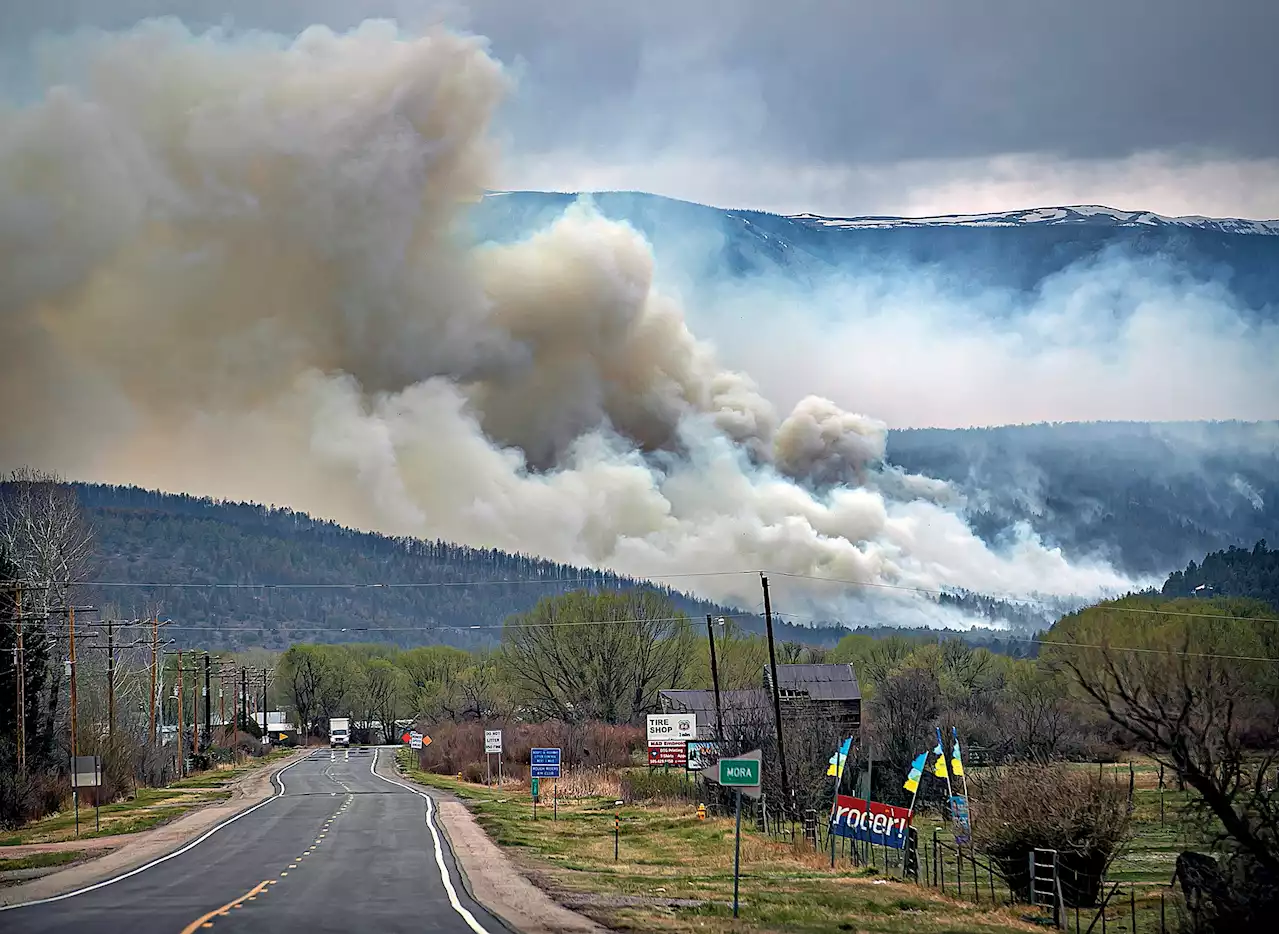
(339, 731)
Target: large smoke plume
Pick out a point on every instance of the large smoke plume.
(233, 267)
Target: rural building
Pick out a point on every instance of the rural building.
(806, 692)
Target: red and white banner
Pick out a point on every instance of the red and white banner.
(870, 820)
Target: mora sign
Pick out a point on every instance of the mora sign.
(871, 821)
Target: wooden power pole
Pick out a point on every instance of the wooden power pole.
(72, 637)
(181, 756)
(155, 670)
(777, 703)
(111, 676)
(715, 680)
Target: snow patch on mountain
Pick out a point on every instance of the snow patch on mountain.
(1093, 214)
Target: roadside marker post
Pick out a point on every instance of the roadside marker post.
(544, 762)
(742, 774)
(533, 782)
(617, 825)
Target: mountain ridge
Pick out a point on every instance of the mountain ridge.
(705, 247)
(1101, 215)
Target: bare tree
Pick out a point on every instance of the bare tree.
(900, 720)
(602, 656)
(382, 688)
(1036, 715)
(1199, 697)
(45, 534)
(302, 668)
(47, 544)
(1193, 715)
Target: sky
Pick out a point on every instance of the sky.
(839, 108)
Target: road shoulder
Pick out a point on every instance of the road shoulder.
(134, 850)
(491, 878)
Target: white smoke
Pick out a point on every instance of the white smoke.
(233, 267)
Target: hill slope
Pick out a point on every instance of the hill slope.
(317, 581)
(1147, 497)
(1015, 250)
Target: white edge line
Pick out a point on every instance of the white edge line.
(156, 862)
(435, 838)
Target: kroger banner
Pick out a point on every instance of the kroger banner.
(871, 821)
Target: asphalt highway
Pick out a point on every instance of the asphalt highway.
(339, 848)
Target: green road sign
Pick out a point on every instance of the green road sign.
(739, 772)
(535, 787)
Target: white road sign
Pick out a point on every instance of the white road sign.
(492, 741)
(671, 729)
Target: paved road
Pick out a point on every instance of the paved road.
(341, 849)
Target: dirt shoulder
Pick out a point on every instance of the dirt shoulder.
(491, 877)
(128, 851)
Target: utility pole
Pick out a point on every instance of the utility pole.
(155, 662)
(181, 750)
(777, 703)
(72, 635)
(715, 680)
(111, 676)
(235, 710)
(222, 700)
(208, 701)
(264, 702)
(20, 662)
(195, 712)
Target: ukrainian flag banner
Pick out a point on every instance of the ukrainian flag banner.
(957, 767)
(835, 765)
(939, 764)
(912, 784)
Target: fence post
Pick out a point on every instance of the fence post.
(935, 857)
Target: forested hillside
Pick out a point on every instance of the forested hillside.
(1235, 572)
(1147, 497)
(317, 581)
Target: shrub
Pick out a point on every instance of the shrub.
(1024, 807)
(456, 746)
(25, 796)
(658, 785)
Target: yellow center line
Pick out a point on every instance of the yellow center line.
(205, 920)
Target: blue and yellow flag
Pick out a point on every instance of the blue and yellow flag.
(957, 767)
(917, 769)
(835, 765)
(939, 764)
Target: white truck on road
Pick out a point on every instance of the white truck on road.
(339, 731)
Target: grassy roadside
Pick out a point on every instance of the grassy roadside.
(42, 860)
(675, 873)
(148, 808)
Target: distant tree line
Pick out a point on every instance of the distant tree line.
(1234, 572)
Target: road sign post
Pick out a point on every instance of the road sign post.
(544, 762)
(742, 774)
(86, 772)
(493, 746)
(533, 784)
(737, 846)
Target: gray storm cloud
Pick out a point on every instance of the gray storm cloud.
(233, 267)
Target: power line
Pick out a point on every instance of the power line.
(427, 629)
(392, 585)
